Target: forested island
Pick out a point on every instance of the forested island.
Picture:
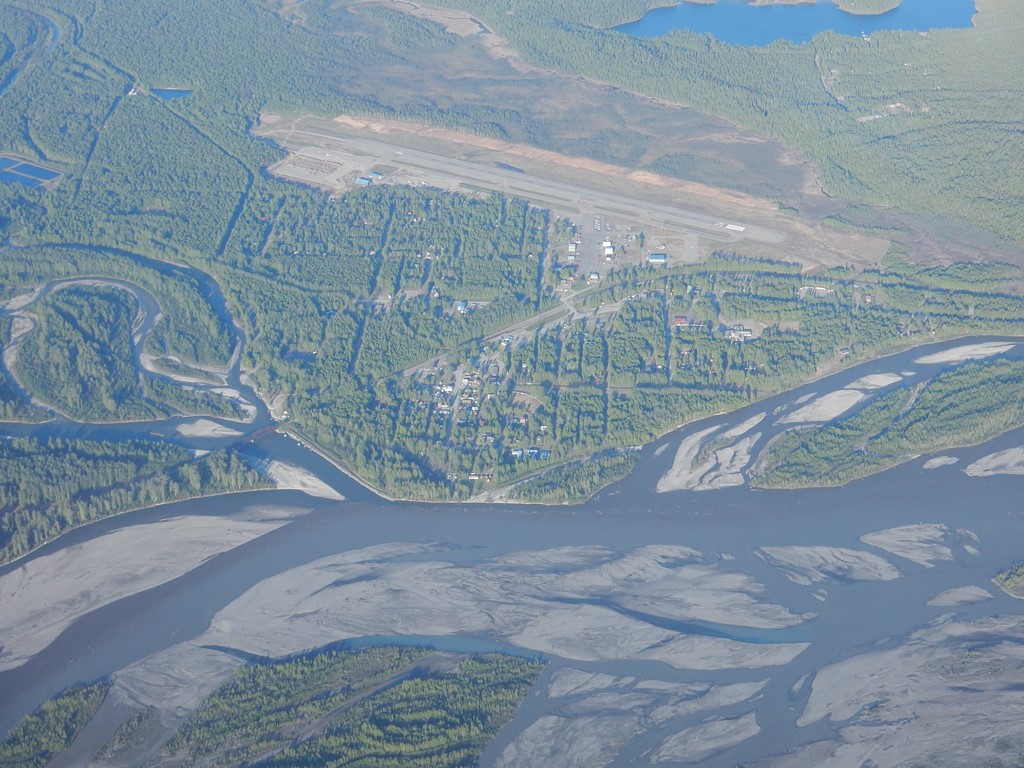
(380, 706)
(867, 7)
(965, 406)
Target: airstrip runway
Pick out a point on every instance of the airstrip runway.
(335, 161)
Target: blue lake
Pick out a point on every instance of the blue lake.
(171, 94)
(736, 22)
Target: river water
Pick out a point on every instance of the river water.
(733, 522)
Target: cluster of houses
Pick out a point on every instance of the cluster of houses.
(684, 322)
(462, 399)
(736, 332)
(530, 453)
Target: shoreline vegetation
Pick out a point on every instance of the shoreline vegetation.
(1011, 581)
(867, 7)
(53, 486)
(855, 7)
(51, 730)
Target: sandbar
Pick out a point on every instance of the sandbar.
(939, 461)
(698, 742)
(554, 741)
(826, 407)
(47, 593)
(924, 544)
(288, 477)
(683, 473)
(367, 592)
(206, 428)
(876, 381)
(1008, 462)
(22, 300)
(960, 596)
(722, 469)
(949, 694)
(966, 352)
(746, 426)
(152, 364)
(721, 653)
(569, 681)
(807, 565)
(604, 711)
(730, 461)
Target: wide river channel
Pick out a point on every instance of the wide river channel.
(846, 617)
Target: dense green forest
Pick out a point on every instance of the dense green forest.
(13, 405)
(50, 730)
(382, 706)
(576, 481)
(965, 406)
(50, 486)
(189, 327)
(79, 360)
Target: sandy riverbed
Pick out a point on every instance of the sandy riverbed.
(206, 428)
(808, 565)
(44, 596)
(876, 381)
(691, 745)
(722, 468)
(1008, 462)
(288, 477)
(966, 352)
(367, 592)
(924, 544)
(826, 408)
(913, 701)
